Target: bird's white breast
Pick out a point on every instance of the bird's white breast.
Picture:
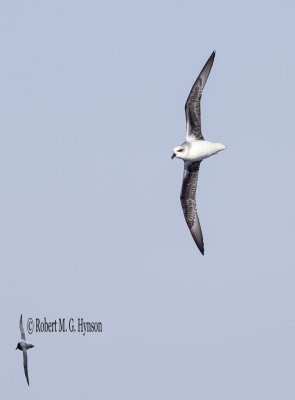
(199, 149)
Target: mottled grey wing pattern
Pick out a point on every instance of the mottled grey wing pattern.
(25, 357)
(193, 103)
(23, 337)
(188, 201)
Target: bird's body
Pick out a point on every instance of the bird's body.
(198, 150)
(23, 345)
(192, 152)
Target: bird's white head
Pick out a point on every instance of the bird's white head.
(178, 152)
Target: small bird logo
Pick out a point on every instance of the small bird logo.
(23, 345)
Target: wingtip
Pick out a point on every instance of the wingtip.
(200, 247)
(212, 56)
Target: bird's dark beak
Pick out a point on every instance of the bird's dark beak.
(173, 155)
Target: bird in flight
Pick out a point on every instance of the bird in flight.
(193, 151)
(23, 345)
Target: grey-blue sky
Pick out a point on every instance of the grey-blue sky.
(92, 100)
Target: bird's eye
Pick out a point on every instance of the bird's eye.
(180, 150)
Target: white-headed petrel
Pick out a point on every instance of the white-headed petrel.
(23, 345)
(192, 152)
